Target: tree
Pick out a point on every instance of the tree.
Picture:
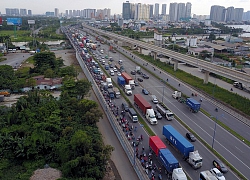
(211, 37)
(49, 73)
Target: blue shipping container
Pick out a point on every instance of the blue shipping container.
(168, 160)
(121, 80)
(193, 104)
(177, 140)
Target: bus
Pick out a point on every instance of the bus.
(207, 175)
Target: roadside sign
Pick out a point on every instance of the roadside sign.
(14, 21)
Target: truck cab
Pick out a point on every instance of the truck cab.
(150, 116)
(195, 160)
(178, 174)
(128, 90)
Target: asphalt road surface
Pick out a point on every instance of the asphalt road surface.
(15, 59)
(236, 155)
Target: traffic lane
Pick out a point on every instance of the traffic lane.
(230, 121)
(184, 110)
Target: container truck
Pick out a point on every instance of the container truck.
(111, 93)
(128, 79)
(132, 114)
(117, 92)
(168, 160)
(146, 108)
(183, 146)
(178, 174)
(155, 144)
(127, 89)
(193, 105)
(241, 86)
(109, 82)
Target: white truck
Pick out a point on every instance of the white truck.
(165, 112)
(178, 174)
(109, 82)
(127, 89)
(137, 69)
(150, 116)
(176, 94)
(117, 92)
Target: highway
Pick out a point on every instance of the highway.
(227, 145)
(200, 123)
(220, 70)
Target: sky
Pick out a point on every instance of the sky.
(199, 7)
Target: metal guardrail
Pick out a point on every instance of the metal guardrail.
(129, 150)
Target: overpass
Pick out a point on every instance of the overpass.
(207, 66)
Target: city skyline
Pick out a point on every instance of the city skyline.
(198, 7)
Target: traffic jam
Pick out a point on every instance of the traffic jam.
(153, 155)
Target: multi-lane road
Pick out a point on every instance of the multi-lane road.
(227, 145)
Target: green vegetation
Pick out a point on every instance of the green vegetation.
(41, 129)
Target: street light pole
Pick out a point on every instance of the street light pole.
(162, 94)
(214, 132)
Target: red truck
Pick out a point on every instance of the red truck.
(128, 79)
(141, 103)
(155, 143)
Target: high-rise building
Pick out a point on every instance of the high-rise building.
(29, 12)
(157, 10)
(151, 11)
(246, 16)
(12, 12)
(188, 10)
(70, 13)
(126, 10)
(67, 13)
(181, 11)
(173, 9)
(132, 15)
(230, 14)
(217, 13)
(163, 9)
(89, 13)
(238, 14)
(56, 12)
(141, 11)
(23, 12)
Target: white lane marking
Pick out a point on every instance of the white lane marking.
(238, 149)
(208, 133)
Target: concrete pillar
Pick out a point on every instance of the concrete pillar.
(175, 64)
(155, 55)
(206, 76)
(140, 50)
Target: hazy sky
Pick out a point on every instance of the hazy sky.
(200, 7)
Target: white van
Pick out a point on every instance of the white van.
(101, 51)
(120, 61)
(112, 73)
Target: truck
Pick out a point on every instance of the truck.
(146, 108)
(138, 69)
(178, 174)
(128, 79)
(119, 67)
(183, 146)
(127, 89)
(241, 86)
(93, 46)
(109, 82)
(155, 144)
(111, 93)
(117, 92)
(168, 160)
(132, 114)
(165, 112)
(176, 95)
(193, 105)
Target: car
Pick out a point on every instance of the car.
(190, 136)
(140, 79)
(144, 91)
(114, 51)
(133, 72)
(136, 83)
(106, 56)
(114, 69)
(220, 165)
(145, 76)
(102, 57)
(217, 174)
(111, 59)
(101, 73)
(111, 66)
(157, 114)
(118, 73)
(124, 106)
